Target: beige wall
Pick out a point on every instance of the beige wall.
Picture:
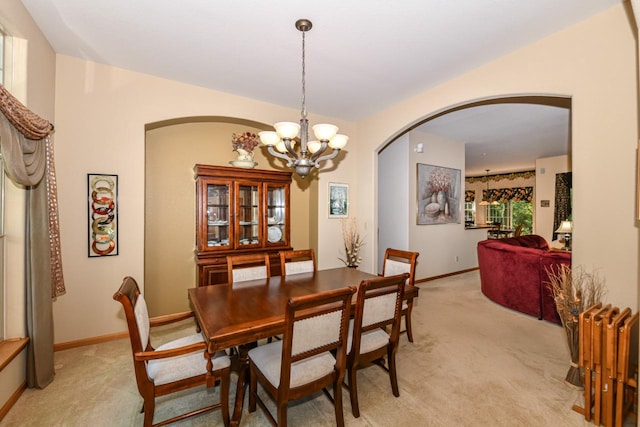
(170, 204)
(593, 62)
(101, 113)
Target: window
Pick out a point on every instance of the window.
(511, 214)
(499, 214)
(469, 212)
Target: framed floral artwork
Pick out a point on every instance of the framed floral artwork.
(103, 214)
(438, 195)
(338, 200)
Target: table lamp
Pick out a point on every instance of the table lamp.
(566, 229)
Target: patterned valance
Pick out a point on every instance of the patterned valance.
(504, 195)
(500, 177)
(469, 196)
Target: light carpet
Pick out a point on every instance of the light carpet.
(473, 363)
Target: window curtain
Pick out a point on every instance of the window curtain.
(562, 210)
(26, 142)
(469, 196)
(504, 195)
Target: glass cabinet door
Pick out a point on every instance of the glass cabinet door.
(218, 215)
(277, 207)
(248, 214)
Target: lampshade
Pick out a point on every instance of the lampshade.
(324, 131)
(338, 141)
(287, 130)
(566, 227)
(269, 137)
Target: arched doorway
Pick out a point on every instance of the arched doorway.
(546, 116)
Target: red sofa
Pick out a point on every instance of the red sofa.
(513, 273)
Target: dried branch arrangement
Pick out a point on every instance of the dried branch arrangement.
(352, 242)
(574, 290)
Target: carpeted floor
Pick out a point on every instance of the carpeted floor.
(473, 363)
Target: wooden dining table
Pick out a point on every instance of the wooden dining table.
(239, 315)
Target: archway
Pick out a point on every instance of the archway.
(397, 174)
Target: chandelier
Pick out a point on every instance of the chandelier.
(309, 154)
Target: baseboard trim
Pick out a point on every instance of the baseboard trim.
(89, 341)
(442, 276)
(12, 400)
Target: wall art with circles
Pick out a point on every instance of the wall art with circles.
(103, 214)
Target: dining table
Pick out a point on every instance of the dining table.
(238, 315)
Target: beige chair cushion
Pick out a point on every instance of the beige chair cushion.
(315, 332)
(379, 309)
(393, 267)
(369, 341)
(298, 267)
(142, 320)
(268, 359)
(251, 273)
(163, 371)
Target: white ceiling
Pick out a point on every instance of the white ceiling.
(362, 56)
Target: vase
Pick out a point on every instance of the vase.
(244, 155)
(442, 199)
(245, 159)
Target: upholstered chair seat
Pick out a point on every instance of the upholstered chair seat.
(268, 359)
(163, 371)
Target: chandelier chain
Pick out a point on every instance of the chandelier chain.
(304, 100)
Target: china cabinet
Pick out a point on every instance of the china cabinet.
(239, 211)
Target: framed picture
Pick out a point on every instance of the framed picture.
(438, 198)
(338, 200)
(102, 192)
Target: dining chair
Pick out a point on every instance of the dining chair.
(297, 261)
(303, 363)
(174, 366)
(379, 305)
(397, 261)
(242, 268)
